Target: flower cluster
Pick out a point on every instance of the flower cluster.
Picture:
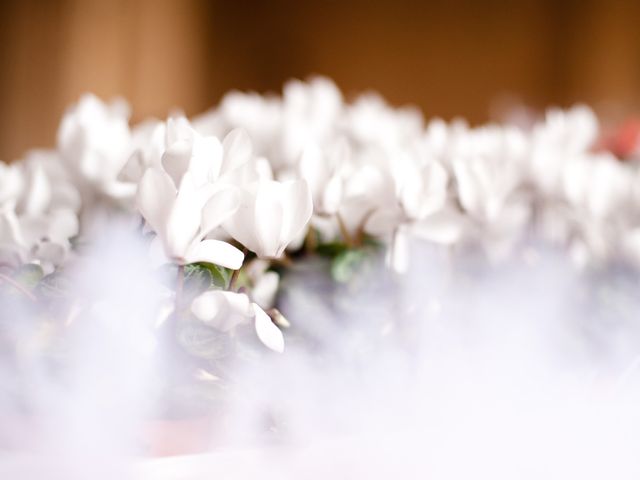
(258, 179)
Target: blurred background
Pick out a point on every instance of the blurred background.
(466, 58)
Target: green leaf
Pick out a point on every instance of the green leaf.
(220, 275)
(28, 275)
(332, 249)
(53, 286)
(197, 278)
(346, 264)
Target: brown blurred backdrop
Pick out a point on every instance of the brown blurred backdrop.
(450, 57)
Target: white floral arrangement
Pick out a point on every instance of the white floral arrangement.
(230, 199)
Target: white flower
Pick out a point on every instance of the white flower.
(322, 171)
(370, 121)
(94, 142)
(11, 183)
(310, 115)
(599, 185)
(40, 218)
(260, 117)
(209, 160)
(489, 169)
(148, 143)
(599, 214)
(183, 216)
(193, 191)
(419, 191)
(225, 310)
(419, 209)
(271, 215)
(562, 137)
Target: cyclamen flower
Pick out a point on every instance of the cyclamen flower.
(489, 169)
(419, 209)
(599, 185)
(39, 218)
(419, 191)
(563, 136)
(94, 142)
(370, 121)
(599, 191)
(148, 143)
(323, 175)
(192, 192)
(310, 113)
(183, 216)
(271, 214)
(226, 310)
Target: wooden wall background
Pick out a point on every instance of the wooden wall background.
(450, 57)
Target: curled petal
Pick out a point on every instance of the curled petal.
(237, 150)
(222, 310)
(266, 330)
(156, 194)
(208, 305)
(183, 223)
(219, 208)
(269, 219)
(217, 252)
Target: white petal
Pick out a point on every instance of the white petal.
(176, 159)
(332, 195)
(217, 252)
(10, 232)
(206, 161)
(120, 190)
(268, 220)
(156, 194)
(222, 310)
(267, 332)
(444, 227)
(63, 224)
(50, 252)
(178, 129)
(398, 253)
(468, 188)
(312, 168)
(208, 305)
(237, 150)
(383, 221)
(133, 168)
(297, 210)
(39, 192)
(241, 225)
(219, 208)
(184, 219)
(239, 303)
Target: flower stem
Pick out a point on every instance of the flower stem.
(344, 231)
(236, 273)
(311, 240)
